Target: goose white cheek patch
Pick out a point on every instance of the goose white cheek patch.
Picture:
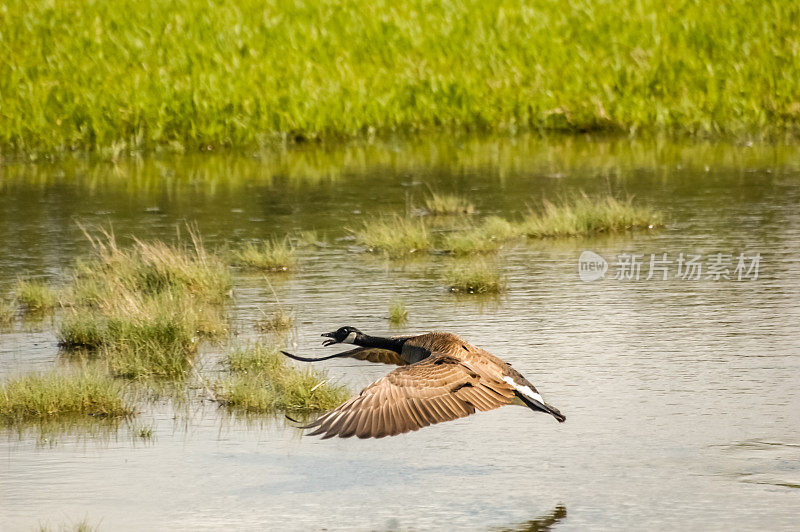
(524, 390)
(350, 338)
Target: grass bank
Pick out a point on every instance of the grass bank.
(191, 75)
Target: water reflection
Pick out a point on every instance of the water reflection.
(764, 462)
(78, 431)
(543, 523)
(422, 158)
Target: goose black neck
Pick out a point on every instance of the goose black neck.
(392, 344)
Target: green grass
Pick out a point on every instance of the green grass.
(582, 215)
(199, 75)
(269, 256)
(398, 313)
(46, 396)
(395, 236)
(445, 204)
(261, 381)
(35, 296)
(474, 276)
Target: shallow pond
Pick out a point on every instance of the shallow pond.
(682, 395)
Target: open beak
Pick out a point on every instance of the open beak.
(326, 343)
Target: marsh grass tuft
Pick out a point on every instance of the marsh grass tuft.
(475, 276)
(448, 204)
(82, 330)
(309, 238)
(269, 256)
(53, 395)
(398, 313)
(395, 236)
(470, 241)
(499, 228)
(262, 381)
(280, 320)
(151, 268)
(35, 296)
(143, 335)
(145, 309)
(582, 215)
(81, 526)
(399, 237)
(485, 237)
(8, 309)
(144, 432)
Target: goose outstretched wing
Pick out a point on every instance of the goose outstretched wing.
(436, 389)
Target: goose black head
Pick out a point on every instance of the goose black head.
(342, 335)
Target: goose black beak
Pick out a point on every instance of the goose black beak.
(326, 343)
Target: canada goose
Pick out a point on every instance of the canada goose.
(441, 377)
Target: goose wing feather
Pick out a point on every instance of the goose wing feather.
(436, 389)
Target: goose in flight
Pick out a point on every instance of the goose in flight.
(440, 378)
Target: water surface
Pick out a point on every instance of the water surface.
(681, 395)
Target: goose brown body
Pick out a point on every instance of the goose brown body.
(440, 377)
